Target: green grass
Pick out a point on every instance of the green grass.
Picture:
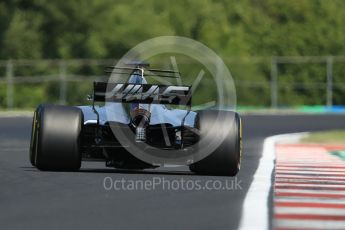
(340, 154)
(327, 137)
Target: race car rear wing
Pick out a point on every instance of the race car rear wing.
(142, 93)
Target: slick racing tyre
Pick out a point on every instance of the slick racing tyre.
(33, 141)
(55, 138)
(224, 129)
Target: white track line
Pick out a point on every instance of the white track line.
(307, 224)
(310, 176)
(258, 193)
(299, 169)
(287, 180)
(310, 211)
(307, 191)
(308, 200)
(308, 164)
(315, 185)
(310, 172)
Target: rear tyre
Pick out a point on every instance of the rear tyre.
(55, 140)
(225, 127)
(33, 141)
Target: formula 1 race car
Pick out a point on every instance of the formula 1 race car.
(133, 120)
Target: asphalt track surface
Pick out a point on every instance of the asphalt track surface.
(31, 199)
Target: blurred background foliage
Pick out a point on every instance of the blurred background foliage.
(107, 29)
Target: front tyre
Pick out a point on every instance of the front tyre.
(224, 127)
(55, 140)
